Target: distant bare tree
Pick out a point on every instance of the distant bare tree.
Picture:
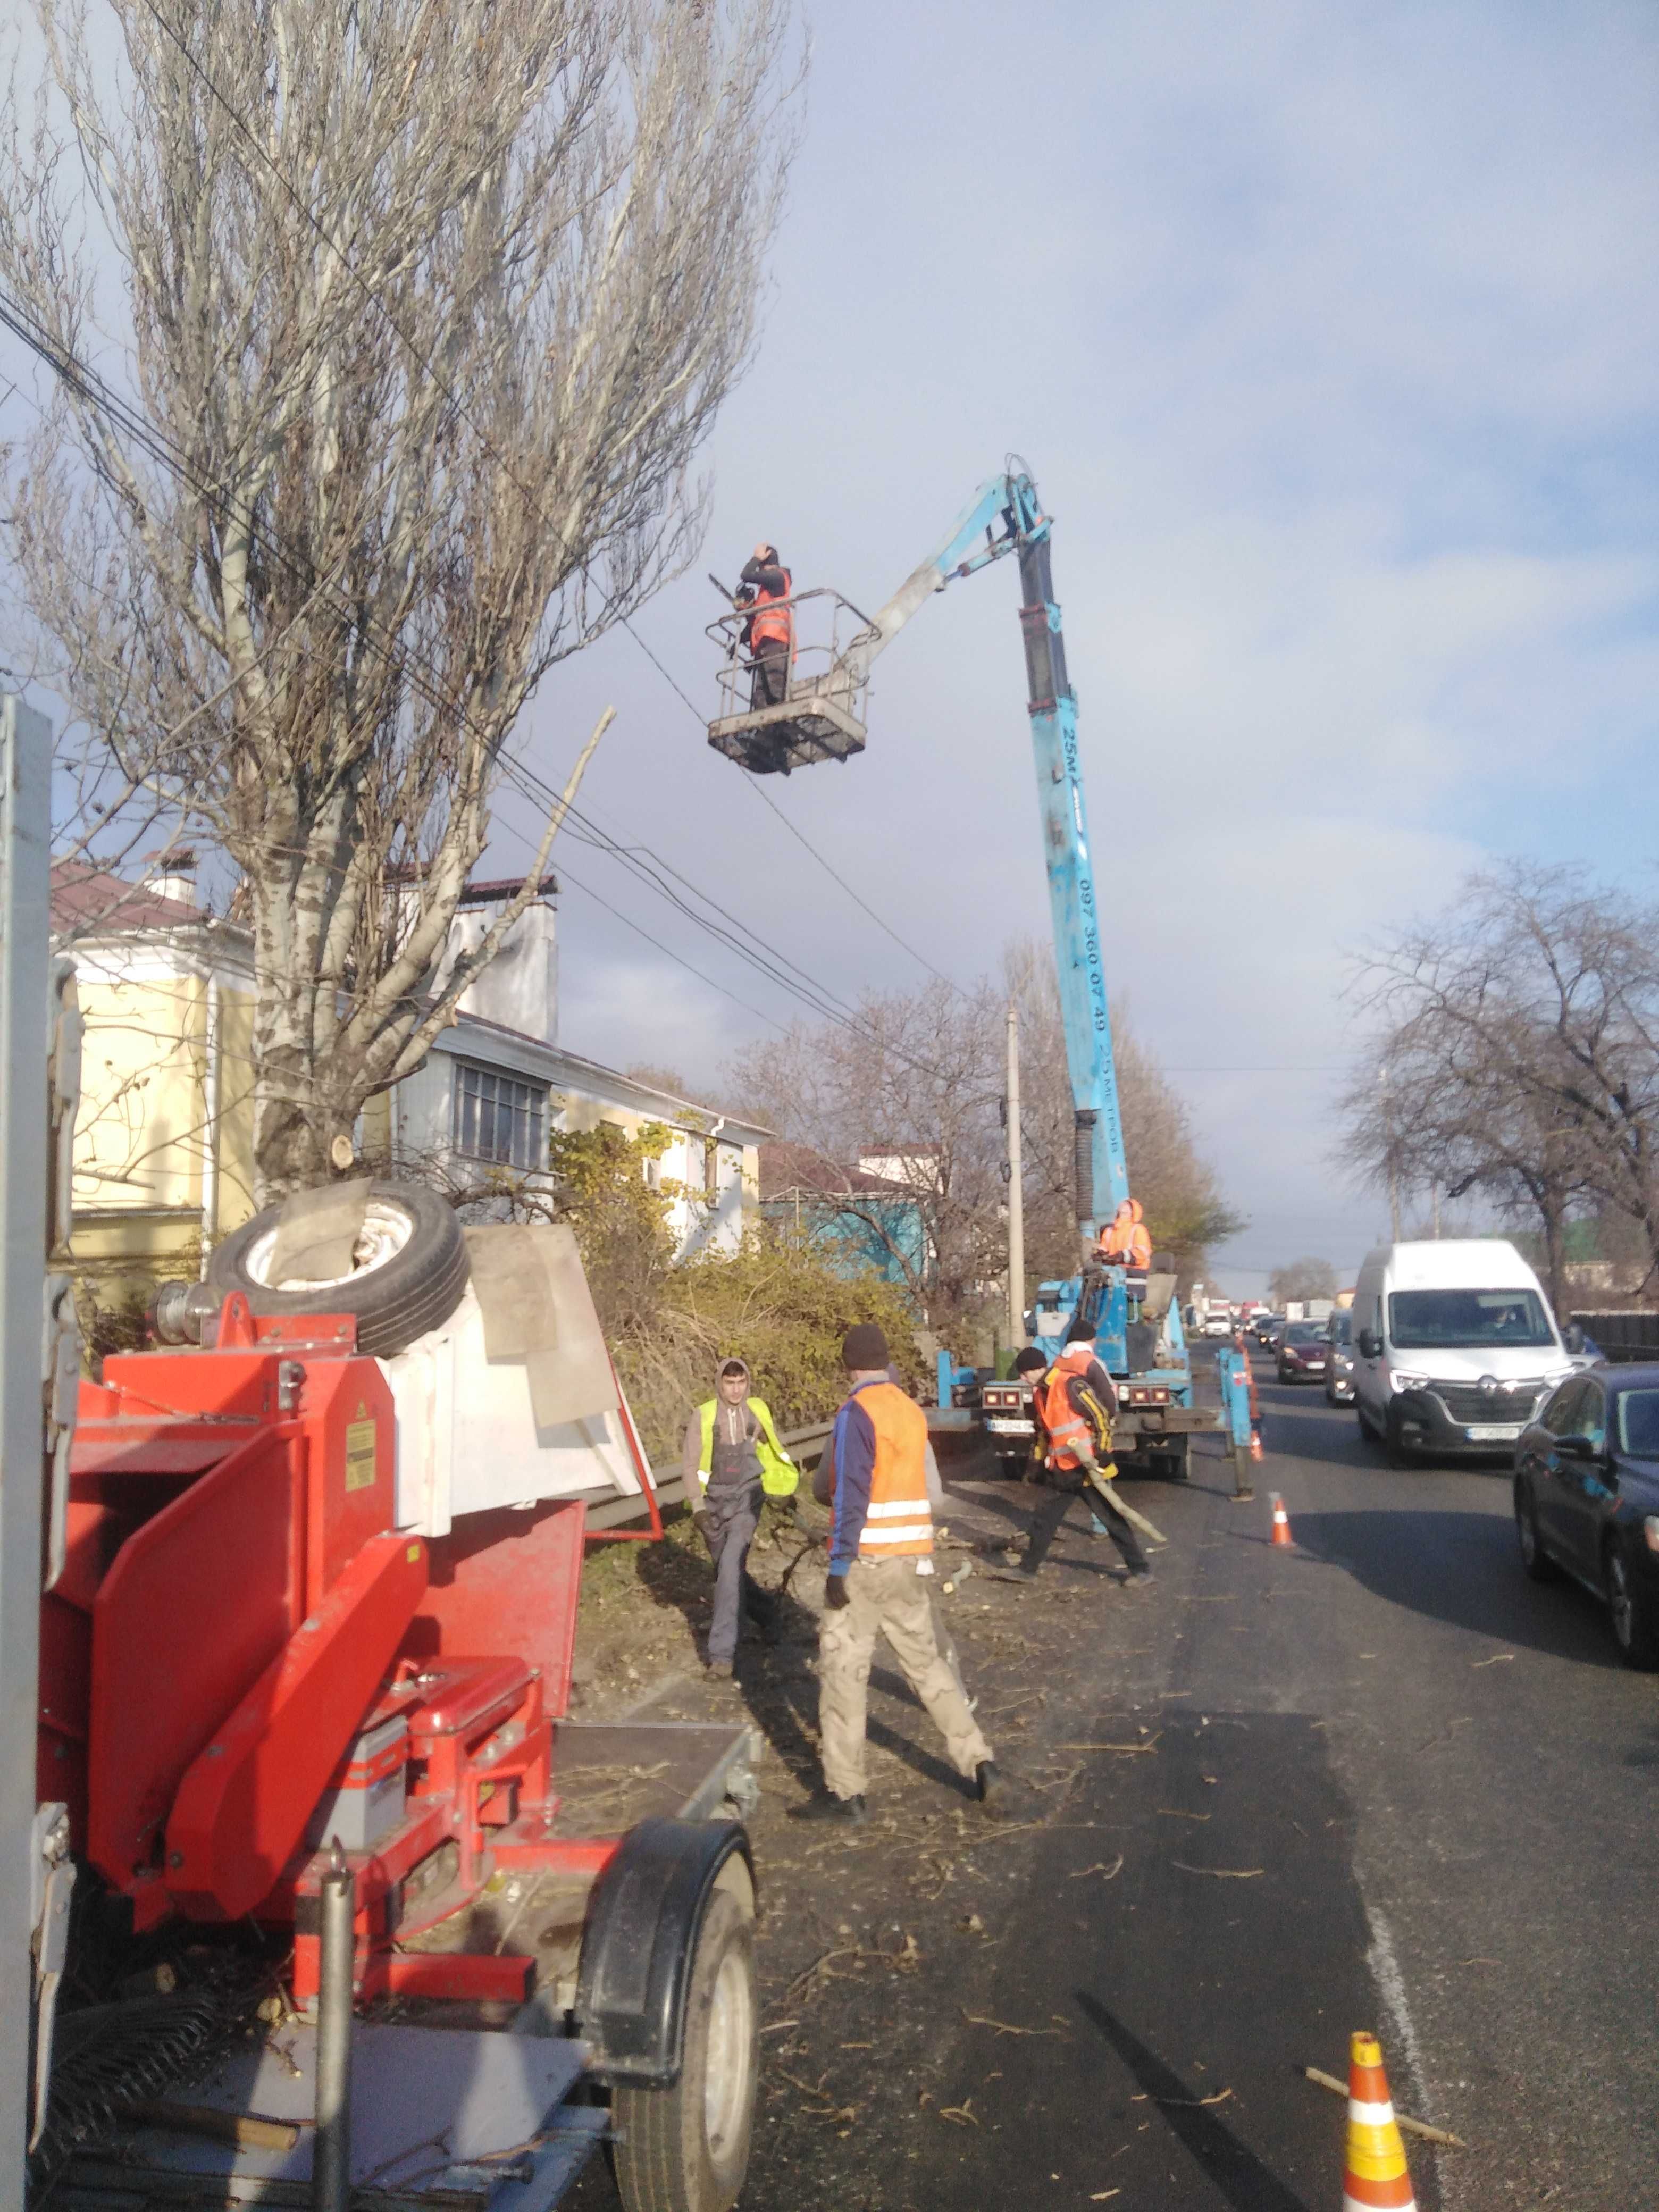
(1454, 1114)
(1184, 1210)
(1520, 1029)
(913, 1088)
(427, 306)
(1300, 1280)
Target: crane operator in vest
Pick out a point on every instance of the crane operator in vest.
(1073, 1407)
(768, 635)
(881, 1544)
(1127, 1241)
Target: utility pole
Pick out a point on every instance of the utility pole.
(1434, 1188)
(1016, 1192)
(25, 841)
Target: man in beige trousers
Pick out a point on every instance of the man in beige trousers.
(874, 1478)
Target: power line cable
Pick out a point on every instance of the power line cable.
(95, 393)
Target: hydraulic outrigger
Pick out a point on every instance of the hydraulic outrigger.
(1136, 1318)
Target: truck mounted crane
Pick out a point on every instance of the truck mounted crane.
(1136, 1318)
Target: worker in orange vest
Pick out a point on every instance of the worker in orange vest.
(1073, 1407)
(881, 1549)
(768, 635)
(1128, 1242)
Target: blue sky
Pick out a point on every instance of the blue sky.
(1329, 332)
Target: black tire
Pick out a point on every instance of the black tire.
(1394, 1447)
(686, 2150)
(1175, 1460)
(1634, 1628)
(1535, 1561)
(414, 1288)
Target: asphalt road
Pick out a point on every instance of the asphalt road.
(1377, 1780)
(1395, 1785)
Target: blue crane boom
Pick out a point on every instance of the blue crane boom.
(1005, 516)
(821, 718)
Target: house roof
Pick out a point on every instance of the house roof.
(87, 900)
(788, 1169)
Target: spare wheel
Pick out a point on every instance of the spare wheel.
(410, 1273)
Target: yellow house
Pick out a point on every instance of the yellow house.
(163, 1149)
(163, 1144)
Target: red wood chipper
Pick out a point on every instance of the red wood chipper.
(250, 1671)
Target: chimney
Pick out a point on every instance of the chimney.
(175, 875)
(519, 988)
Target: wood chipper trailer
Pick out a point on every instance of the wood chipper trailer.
(249, 1675)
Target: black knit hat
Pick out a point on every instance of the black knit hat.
(1080, 1331)
(1029, 1361)
(865, 1349)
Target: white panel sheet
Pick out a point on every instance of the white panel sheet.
(467, 1438)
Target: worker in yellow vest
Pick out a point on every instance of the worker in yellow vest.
(732, 1458)
(881, 1542)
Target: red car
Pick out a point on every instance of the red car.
(1302, 1352)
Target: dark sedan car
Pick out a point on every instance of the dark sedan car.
(1302, 1352)
(1587, 1497)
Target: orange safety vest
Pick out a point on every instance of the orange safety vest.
(1129, 1244)
(771, 623)
(1066, 1428)
(900, 1520)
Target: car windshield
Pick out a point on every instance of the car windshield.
(1638, 1423)
(1304, 1331)
(1341, 1328)
(1433, 1321)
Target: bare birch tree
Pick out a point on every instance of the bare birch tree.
(426, 307)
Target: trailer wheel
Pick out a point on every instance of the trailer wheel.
(410, 1278)
(686, 2150)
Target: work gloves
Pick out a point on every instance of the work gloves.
(835, 1592)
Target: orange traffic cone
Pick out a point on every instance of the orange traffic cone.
(1256, 1452)
(1375, 2171)
(1281, 1521)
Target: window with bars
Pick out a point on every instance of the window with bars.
(499, 1118)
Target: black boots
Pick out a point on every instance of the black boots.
(824, 1805)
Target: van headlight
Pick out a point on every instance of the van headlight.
(1399, 1380)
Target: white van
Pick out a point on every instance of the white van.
(1454, 1346)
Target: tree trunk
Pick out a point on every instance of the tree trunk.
(1550, 1209)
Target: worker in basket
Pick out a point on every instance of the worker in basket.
(731, 1459)
(1127, 1241)
(1073, 1407)
(768, 635)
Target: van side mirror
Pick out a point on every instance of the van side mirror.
(1370, 1343)
(1576, 1448)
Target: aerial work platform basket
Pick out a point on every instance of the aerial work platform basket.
(821, 715)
